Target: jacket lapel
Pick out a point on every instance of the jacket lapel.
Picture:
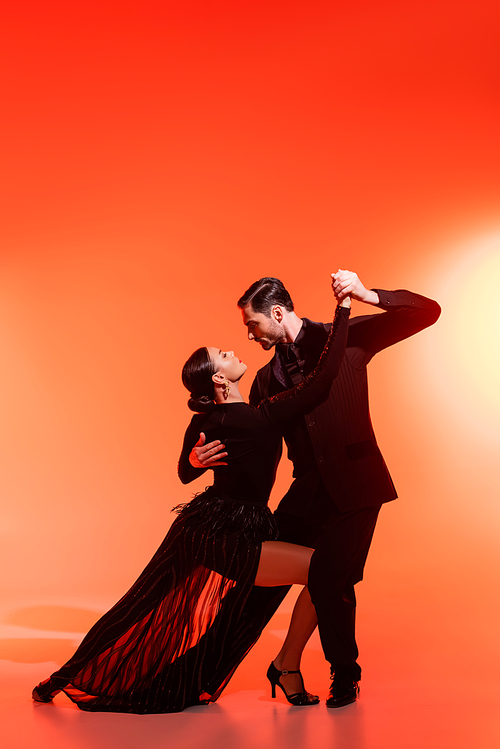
(315, 335)
(280, 374)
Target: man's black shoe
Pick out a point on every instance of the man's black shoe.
(342, 692)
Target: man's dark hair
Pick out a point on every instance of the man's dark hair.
(264, 293)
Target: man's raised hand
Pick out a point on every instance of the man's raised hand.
(346, 283)
(207, 455)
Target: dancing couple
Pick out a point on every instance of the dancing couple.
(178, 634)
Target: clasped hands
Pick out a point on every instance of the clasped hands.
(346, 283)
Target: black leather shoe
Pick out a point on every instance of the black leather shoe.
(342, 692)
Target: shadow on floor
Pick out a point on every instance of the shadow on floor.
(53, 618)
(27, 650)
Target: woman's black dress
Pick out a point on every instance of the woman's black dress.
(176, 637)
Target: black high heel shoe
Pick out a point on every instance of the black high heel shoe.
(42, 693)
(298, 699)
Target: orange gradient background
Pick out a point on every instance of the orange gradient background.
(158, 158)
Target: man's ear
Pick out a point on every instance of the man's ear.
(218, 378)
(277, 312)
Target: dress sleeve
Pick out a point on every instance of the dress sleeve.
(314, 389)
(185, 470)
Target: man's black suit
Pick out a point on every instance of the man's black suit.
(340, 477)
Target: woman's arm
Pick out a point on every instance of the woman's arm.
(185, 470)
(314, 389)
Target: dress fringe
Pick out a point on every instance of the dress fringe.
(220, 514)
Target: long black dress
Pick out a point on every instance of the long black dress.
(176, 637)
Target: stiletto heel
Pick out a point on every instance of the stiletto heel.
(299, 699)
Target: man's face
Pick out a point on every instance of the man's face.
(263, 329)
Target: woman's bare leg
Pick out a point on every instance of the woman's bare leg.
(303, 623)
(284, 564)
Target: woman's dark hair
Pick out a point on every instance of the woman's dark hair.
(264, 293)
(197, 378)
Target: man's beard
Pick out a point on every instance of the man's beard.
(274, 335)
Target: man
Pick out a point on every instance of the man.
(340, 477)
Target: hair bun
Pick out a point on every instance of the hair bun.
(203, 404)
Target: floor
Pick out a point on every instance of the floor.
(419, 688)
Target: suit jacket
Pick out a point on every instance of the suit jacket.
(335, 443)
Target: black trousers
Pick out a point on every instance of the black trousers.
(341, 541)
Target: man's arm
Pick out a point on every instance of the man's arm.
(406, 313)
(208, 455)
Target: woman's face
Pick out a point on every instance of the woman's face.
(227, 363)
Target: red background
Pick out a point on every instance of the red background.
(160, 157)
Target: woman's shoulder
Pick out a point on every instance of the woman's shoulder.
(198, 422)
(240, 411)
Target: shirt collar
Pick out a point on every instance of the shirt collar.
(284, 347)
(301, 334)
(299, 337)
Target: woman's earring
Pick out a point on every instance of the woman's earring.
(227, 389)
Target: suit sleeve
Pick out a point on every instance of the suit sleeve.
(315, 388)
(255, 396)
(185, 470)
(405, 314)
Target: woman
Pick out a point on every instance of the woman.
(178, 634)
